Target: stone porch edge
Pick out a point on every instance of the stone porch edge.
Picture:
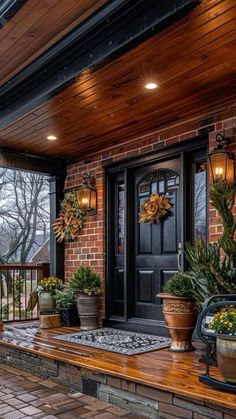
(128, 393)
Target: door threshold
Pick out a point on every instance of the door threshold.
(146, 321)
(152, 327)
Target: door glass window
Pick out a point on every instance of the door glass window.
(160, 181)
(121, 217)
(200, 201)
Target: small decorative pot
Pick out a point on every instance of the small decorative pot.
(226, 357)
(88, 311)
(180, 315)
(46, 302)
(69, 316)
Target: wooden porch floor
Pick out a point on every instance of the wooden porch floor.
(162, 369)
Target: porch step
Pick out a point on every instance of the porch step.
(158, 384)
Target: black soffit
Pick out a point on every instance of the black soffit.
(8, 8)
(114, 29)
(29, 162)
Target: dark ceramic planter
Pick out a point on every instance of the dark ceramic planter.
(69, 316)
(88, 311)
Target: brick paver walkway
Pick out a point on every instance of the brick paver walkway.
(23, 395)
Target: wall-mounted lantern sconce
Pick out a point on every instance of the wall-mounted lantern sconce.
(221, 162)
(86, 194)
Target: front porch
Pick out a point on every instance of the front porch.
(155, 384)
(76, 104)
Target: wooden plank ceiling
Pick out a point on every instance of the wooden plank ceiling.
(36, 27)
(193, 61)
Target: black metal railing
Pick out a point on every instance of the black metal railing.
(17, 282)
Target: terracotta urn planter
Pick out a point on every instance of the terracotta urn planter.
(180, 314)
(88, 310)
(226, 357)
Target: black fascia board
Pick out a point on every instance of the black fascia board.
(13, 159)
(108, 33)
(8, 8)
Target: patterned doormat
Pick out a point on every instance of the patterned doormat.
(115, 340)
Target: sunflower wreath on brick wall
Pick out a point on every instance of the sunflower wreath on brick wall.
(71, 219)
(155, 208)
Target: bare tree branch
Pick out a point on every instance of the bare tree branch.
(24, 213)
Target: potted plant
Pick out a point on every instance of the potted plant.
(212, 266)
(65, 303)
(46, 289)
(180, 311)
(86, 284)
(224, 324)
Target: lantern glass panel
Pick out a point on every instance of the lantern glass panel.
(93, 200)
(87, 198)
(218, 166)
(230, 170)
(83, 197)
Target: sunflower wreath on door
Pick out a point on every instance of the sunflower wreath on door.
(155, 208)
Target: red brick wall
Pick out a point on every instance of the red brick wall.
(89, 248)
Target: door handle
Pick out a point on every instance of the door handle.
(179, 256)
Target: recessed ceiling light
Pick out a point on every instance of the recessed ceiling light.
(151, 86)
(51, 137)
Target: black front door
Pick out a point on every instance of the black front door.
(156, 244)
(140, 257)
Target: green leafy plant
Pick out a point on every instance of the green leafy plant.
(5, 312)
(179, 284)
(17, 289)
(221, 196)
(212, 266)
(86, 281)
(22, 314)
(65, 298)
(208, 272)
(224, 322)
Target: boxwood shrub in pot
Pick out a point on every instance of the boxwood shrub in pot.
(65, 302)
(86, 284)
(180, 311)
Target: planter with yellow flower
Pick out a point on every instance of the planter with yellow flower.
(46, 289)
(224, 324)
